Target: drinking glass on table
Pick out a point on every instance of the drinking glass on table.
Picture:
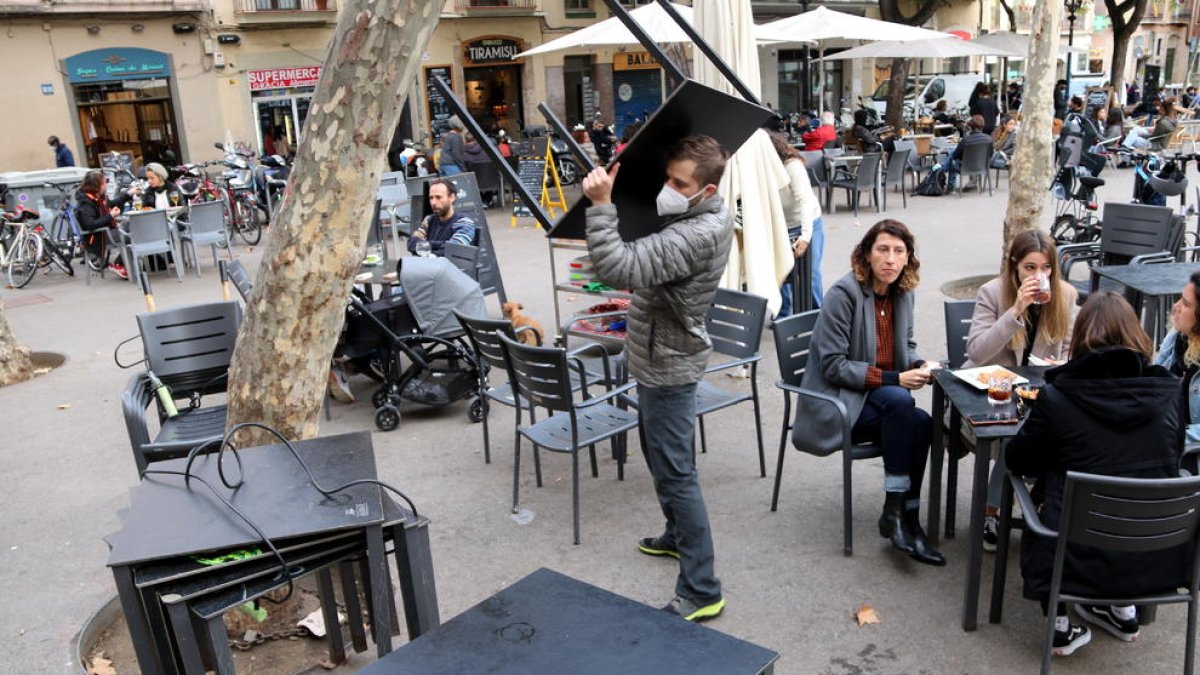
(1042, 296)
(1000, 388)
(423, 248)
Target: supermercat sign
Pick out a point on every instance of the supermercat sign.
(106, 65)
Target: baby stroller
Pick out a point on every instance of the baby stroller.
(417, 326)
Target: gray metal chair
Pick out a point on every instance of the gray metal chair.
(236, 272)
(864, 178)
(188, 349)
(148, 233)
(976, 163)
(793, 336)
(1132, 234)
(1006, 167)
(1130, 515)
(205, 224)
(897, 168)
(542, 376)
(814, 161)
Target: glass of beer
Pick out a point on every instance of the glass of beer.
(1000, 387)
(1042, 296)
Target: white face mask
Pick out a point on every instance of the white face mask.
(672, 202)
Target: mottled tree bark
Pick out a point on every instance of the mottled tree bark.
(1125, 15)
(897, 85)
(889, 10)
(1032, 162)
(281, 363)
(15, 365)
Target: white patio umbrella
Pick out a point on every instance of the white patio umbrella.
(943, 47)
(612, 32)
(754, 174)
(822, 25)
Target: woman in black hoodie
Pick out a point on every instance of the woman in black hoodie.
(96, 214)
(1107, 411)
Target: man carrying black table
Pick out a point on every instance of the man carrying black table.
(674, 274)
(444, 224)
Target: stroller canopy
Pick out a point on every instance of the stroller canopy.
(434, 288)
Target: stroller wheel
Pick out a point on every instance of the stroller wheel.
(387, 417)
(476, 412)
(382, 396)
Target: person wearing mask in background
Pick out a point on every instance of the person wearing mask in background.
(674, 274)
(825, 133)
(1013, 102)
(1180, 352)
(1060, 100)
(453, 159)
(862, 352)
(985, 106)
(62, 154)
(806, 228)
(1108, 411)
(602, 140)
(1188, 100)
(96, 214)
(1018, 322)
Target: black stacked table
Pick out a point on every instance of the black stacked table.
(965, 400)
(551, 623)
(167, 594)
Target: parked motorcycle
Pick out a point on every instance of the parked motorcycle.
(569, 172)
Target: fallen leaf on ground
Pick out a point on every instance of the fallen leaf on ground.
(865, 615)
(64, 406)
(101, 666)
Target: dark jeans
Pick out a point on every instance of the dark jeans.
(891, 418)
(668, 418)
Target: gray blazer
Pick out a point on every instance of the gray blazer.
(993, 326)
(843, 345)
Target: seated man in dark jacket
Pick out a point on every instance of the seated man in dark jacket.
(974, 137)
(444, 224)
(1109, 412)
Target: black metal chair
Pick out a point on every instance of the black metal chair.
(958, 314)
(1131, 515)
(1132, 234)
(976, 163)
(897, 169)
(864, 178)
(814, 161)
(464, 257)
(487, 178)
(188, 349)
(542, 376)
(793, 336)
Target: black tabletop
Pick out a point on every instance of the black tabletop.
(1154, 280)
(551, 623)
(167, 519)
(968, 400)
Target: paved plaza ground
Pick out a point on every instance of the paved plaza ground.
(66, 466)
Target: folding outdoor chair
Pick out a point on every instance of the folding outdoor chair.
(205, 224)
(793, 336)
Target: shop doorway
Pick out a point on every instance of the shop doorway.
(133, 117)
(279, 122)
(579, 90)
(493, 97)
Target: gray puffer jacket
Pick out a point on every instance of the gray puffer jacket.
(674, 275)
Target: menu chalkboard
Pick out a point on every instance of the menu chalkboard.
(531, 174)
(439, 109)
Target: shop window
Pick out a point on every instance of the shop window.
(577, 5)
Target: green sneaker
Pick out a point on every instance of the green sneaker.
(660, 545)
(690, 611)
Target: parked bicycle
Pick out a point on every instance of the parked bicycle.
(1075, 220)
(20, 250)
(65, 234)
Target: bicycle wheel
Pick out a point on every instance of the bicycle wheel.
(23, 260)
(57, 257)
(1063, 229)
(247, 227)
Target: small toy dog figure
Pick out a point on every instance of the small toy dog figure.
(512, 312)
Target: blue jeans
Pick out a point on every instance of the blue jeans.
(446, 169)
(667, 417)
(892, 419)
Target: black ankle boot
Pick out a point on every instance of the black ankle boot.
(923, 551)
(891, 523)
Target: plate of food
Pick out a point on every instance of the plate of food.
(978, 377)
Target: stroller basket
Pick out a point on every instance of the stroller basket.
(448, 378)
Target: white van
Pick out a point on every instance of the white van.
(927, 90)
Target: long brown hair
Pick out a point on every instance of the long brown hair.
(782, 148)
(1056, 314)
(1107, 320)
(860, 259)
(1191, 356)
(92, 181)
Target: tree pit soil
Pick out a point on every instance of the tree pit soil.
(965, 288)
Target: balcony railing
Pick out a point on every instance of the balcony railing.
(496, 6)
(100, 6)
(284, 6)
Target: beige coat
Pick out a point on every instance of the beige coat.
(993, 327)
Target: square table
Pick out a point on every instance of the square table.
(551, 623)
(1150, 280)
(965, 400)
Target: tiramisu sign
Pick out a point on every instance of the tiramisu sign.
(487, 51)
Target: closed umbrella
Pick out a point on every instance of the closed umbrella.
(754, 174)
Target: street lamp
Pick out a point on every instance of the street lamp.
(1072, 7)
